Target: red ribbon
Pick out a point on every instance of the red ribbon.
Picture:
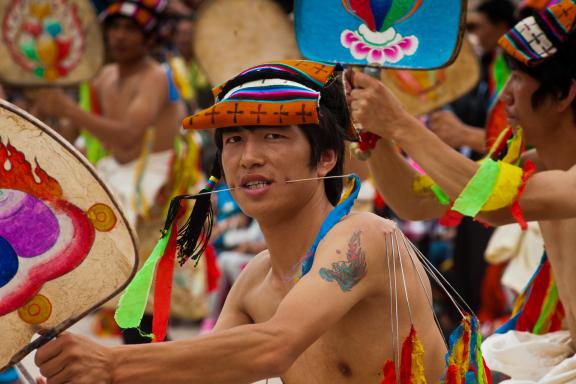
(163, 284)
(368, 141)
(529, 169)
(163, 287)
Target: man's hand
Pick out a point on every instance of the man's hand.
(451, 130)
(53, 102)
(375, 107)
(447, 126)
(75, 359)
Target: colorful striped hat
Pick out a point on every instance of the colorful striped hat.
(538, 5)
(275, 94)
(144, 12)
(538, 37)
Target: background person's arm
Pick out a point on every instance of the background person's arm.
(394, 178)
(140, 114)
(548, 195)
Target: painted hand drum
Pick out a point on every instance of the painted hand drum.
(49, 42)
(421, 92)
(65, 248)
(410, 34)
(232, 35)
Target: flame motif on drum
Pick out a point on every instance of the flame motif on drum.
(44, 37)
(376, 40)
(42, 235)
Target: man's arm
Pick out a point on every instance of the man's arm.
(233, 313)
(447, 126)
(140, 114)
(394, 178)
(245, 353)
(548, 195)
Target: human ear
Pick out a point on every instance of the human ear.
(567, 101)
(328, 160)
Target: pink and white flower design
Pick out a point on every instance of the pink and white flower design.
(378, 47)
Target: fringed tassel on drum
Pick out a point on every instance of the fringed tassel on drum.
(195, 234)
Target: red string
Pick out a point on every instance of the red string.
(533, 305)
(368, 141)
(452, 375)
(163, 283)
(389, 371)
(529, 169)
(212, 270)
(406, 359)
(451, 218)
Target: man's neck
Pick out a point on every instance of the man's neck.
(127, 69)
(289, 238)
(556, 150)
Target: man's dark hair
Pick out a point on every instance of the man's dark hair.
(328, 135)
(498, 11)
(555, 75)
(109, 20)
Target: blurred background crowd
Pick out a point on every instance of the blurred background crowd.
(487, 267)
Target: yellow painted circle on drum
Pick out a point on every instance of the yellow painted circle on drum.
(36, 311)
(102, 217)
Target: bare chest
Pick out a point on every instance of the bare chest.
(560, 243)
(352, 351)
(115, 96)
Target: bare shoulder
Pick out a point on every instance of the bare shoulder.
(373, 227)
(363, 234)
(254, 272)
(154, 71)
(107, 74)
(532, 155)
(234, 312)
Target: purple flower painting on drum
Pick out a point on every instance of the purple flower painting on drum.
(42, 236)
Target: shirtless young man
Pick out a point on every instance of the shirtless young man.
(330, 325)
(541, 98)
(134, 97)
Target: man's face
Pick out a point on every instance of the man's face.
(517, 96)
(183, 38)
(260, 161)
(126, 40)
(485, 33)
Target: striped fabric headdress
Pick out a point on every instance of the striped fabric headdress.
(144, 12)
(275, 94)
(538, 37)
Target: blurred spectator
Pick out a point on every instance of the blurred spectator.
(137, 127)
(201, 95)
(461, 126)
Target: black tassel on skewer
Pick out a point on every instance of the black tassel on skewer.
(193, 237)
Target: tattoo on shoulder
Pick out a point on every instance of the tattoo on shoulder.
(348, 273)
